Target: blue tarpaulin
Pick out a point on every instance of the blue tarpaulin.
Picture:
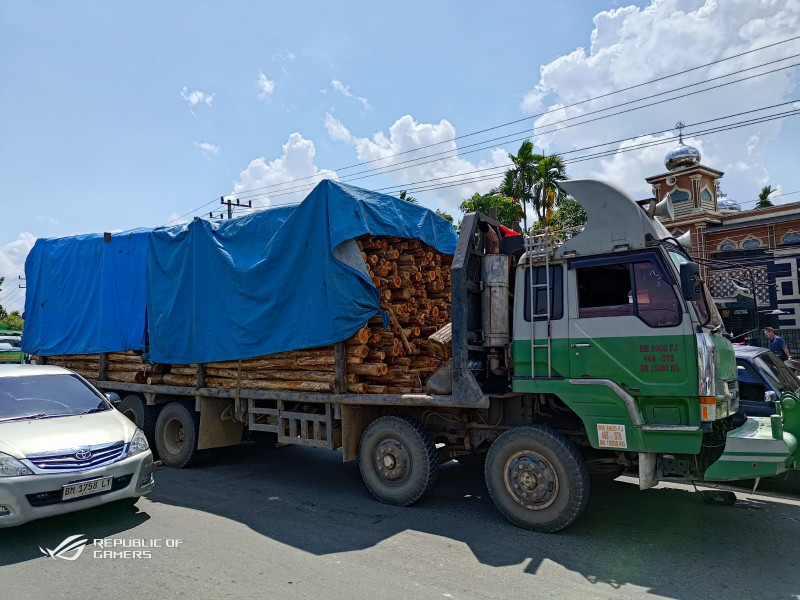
(85, 295)
(252, 286)
(275, 280)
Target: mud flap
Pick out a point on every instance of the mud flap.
(753, 450)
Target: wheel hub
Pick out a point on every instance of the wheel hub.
(531, 480)
(392, 461)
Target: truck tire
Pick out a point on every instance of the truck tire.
(537, 478)
(177, 431)
(398, 460)
(143, 416)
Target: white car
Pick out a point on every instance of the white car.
(63, 446)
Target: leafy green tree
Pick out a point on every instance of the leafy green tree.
(763, 197)
(13, 320)
(448, 217)
(569, 213)
(404, 196)
(508, 210)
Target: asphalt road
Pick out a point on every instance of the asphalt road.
(297, 523)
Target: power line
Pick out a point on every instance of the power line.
(484, 145)
(532, 116)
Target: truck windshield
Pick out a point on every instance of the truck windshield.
(706, 309)
(772, 368)
(43, 396)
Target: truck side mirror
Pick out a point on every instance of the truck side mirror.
(770, 396)
(690, 281)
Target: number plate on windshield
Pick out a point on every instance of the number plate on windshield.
(86, 488)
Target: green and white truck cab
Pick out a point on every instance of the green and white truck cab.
(629, 339)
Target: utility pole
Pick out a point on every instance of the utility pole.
(230, 204)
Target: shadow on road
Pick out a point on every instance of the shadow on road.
(664, 540)
(20, 544)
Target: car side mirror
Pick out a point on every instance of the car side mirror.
(113, 397)
(690, 281)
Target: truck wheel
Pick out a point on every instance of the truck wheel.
(398, 460)
(537, 478)
(143, 416)
(177, 430)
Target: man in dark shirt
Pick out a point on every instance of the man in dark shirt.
(777, 344)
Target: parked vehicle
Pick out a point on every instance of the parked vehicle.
(11, 351)
(760, 371)
(63, 447)
(608, 354)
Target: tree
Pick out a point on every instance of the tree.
(407, 198)
(13, 320)
(534, 179)
(508, 210)
(448, 217)
(763, 197)
(568, 214)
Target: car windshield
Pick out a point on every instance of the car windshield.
(782, 378)
(42, 396)
(13, 341)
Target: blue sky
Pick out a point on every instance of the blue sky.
(118, 115)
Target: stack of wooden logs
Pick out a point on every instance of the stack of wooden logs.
(414, 285)
(120, 366)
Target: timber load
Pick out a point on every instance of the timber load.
(415, 291)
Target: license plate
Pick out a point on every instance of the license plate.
(86, 488)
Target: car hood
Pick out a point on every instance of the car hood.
(21, 438)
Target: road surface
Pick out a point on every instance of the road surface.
(298, 523)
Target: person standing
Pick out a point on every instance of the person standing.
(777, 344)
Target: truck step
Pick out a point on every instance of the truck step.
(292, 425)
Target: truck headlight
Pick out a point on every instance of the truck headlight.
(11, 467)
(707, 376)
(138, 444)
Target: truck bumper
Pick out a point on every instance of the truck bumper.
(753, 450)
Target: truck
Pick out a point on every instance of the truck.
(576, 354)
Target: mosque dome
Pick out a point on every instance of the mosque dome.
(727, 205)
(681, 157)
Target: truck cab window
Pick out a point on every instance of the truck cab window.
(605, 291)
(641, 288)
(656, 303)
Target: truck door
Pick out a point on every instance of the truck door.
(627, 325)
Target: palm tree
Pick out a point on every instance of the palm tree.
(404, 196)
(546, 193)
(763, 197)
(533, 178)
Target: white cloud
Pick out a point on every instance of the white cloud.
(407, 134)
(296, 162)
(12, 265)
(196, 97)
(207, 149)
(265, 86)
(631, 45)
(344, 90)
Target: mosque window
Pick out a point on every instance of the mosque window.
(751, 243)
(791, 238)
(679, 196)
(727, 245)
(705, 196)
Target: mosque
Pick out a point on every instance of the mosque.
(744, 251)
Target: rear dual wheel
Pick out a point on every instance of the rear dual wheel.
(398, 460)
(176, 434)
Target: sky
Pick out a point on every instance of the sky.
(121, 115)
